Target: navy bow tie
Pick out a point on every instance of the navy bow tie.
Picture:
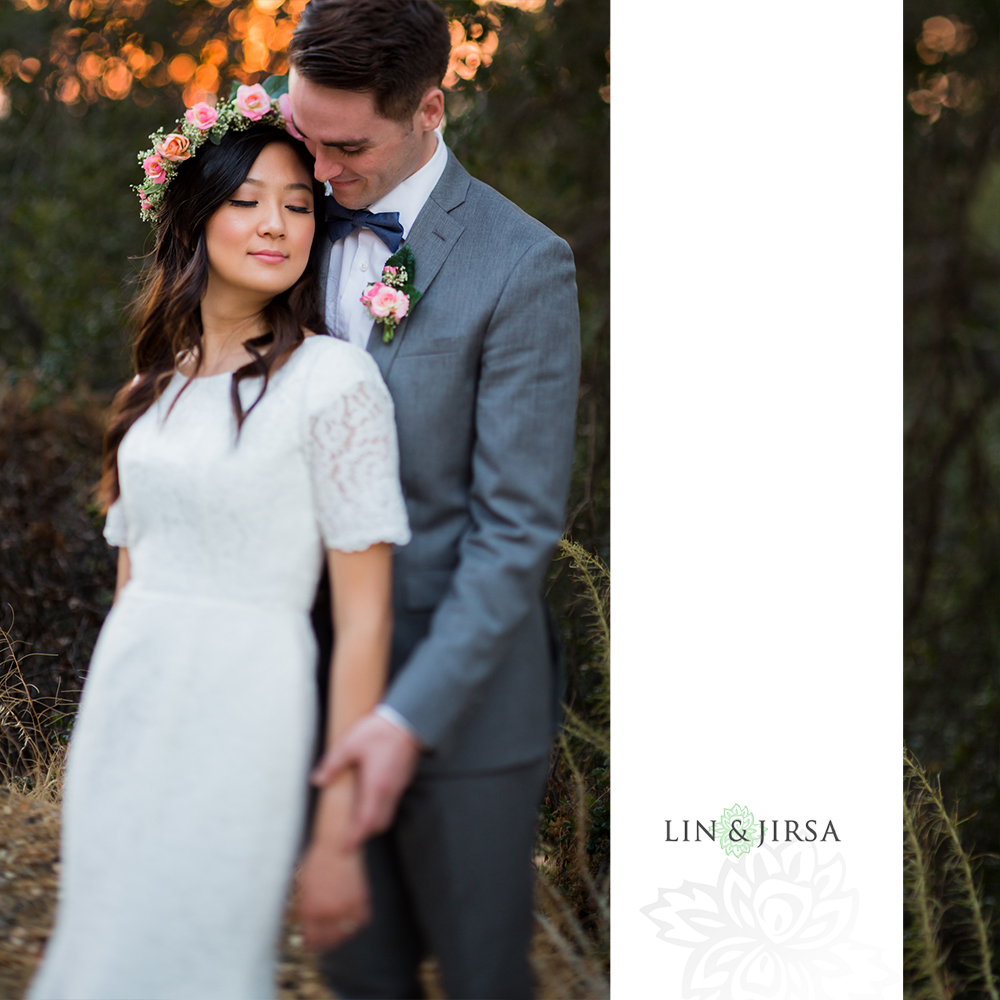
(341, 222)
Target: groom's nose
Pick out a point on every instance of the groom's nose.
(329, 165)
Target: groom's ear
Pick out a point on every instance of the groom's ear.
(431, 110)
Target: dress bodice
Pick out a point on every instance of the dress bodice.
(210, 514)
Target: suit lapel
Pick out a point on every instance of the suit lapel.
(432, 238)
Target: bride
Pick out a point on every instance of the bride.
(244, 448)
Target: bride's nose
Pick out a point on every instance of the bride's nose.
(271, 222)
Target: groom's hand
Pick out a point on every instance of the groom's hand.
(386, 757)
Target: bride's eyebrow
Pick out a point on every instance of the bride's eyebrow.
(297, 186)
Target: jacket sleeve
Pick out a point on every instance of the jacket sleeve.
(525, 420)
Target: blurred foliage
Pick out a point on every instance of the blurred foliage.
(573, 860)
(952, 377)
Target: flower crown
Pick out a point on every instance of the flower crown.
(265, 104)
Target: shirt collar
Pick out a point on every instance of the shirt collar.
(408, 197)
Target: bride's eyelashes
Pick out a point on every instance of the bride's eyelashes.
(250, 204)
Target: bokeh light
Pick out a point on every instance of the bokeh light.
(940, 37)
(943, 36)
(100, 51)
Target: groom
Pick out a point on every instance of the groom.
(484, 371)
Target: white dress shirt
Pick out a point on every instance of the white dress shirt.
(358, 258)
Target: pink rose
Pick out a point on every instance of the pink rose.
(389, 270)
(402, 306)
(285, 107)
(144, 203)
(203, 115)
(155, 168)
(174, 147)
(383, 302)
(371, 290)
(253, 102)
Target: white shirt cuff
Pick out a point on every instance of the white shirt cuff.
(391, 715)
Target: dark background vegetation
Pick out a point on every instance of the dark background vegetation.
(82, 84)
(952, 448)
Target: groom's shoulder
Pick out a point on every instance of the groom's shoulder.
(491, 218)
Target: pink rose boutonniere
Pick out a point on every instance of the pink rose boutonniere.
(390, 300)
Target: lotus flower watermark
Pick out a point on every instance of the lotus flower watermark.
(775, 927)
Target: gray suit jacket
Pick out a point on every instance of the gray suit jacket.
(484, 375)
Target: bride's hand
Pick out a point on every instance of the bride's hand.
(333, 900)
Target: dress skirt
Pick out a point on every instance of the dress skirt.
(185, 798)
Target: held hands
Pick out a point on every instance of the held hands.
(385, 757)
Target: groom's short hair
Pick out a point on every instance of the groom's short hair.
(394, 49)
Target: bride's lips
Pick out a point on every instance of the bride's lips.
(268, 256)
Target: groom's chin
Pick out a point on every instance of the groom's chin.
(350, 195)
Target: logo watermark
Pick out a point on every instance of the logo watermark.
(775, 926)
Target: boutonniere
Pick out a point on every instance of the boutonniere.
(392, 298)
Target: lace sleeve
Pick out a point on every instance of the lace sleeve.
(354, 462)
(115, 529)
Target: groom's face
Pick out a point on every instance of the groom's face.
(362, 155)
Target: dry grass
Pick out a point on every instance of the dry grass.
(572, 887)
(947, 952)
(29, 873)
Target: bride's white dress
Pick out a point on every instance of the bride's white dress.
(187, 782)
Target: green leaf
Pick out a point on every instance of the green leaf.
(403, 257)
(276, 86)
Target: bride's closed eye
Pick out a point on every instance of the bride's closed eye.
(250, 204)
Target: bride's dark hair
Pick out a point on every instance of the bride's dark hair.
(167, 315)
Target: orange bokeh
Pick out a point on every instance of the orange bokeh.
(943, 36)
(90, 66)
(945, 90)
(182, 68)
(531, 6)
(28, 69)
(215, 52)
(108, 60)
(117, 80)
(469, 53)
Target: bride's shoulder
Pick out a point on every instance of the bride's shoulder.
(331, 367)
(321, 352)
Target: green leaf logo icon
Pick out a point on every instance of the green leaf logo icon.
(736, 831)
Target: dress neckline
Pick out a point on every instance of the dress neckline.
(232, 371)
(204, 378)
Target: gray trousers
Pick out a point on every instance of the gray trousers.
(452, 878)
